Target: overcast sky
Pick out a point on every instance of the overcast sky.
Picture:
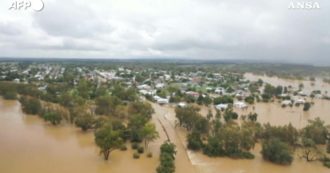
(200, 29)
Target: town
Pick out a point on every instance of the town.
(180, 111)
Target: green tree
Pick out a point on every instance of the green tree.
(108, 140)
(286, 133)
(223, 100)
(249, 99)
(309, 150)
(149, 133)
(135, 125)
(30, 105)
(276, 151)
(167, 157)
(194, 141)
(214, 147)
(252, 116)
(84, 88)
(141, 108)
(187, 116)
(85, 121)
(53, 117)
(316, 130)
(230, 115)
(106, 105)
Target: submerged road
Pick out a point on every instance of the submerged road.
(164, 118)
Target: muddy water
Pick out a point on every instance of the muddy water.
(271, 113)
(274, 114)
(165, 122)
(206, 164)
(309, 86)
(29, 145)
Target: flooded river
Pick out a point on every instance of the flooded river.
(29, 145)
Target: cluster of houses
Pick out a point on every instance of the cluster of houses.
(207, 84)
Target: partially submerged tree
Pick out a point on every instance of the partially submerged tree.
(30, 105)
(85, 121)
(167, 157)
(53, 117)
(316, 130)
(307, 106)
(149, 133)
(309, 150)
(276, 151)
(108, 140)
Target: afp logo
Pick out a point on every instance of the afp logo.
(35, 5)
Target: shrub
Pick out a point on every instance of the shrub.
(53, 117)
(10, 96)
(247, 155)
(326, 161)
(249, 99)
(135, 146)
(136, 155)
(326, 164)
(140, 150)
(149, 154)
(307, 106)
(123, 148)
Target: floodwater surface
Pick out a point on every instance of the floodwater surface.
(272, 113)
(308, 86)
(29, 145)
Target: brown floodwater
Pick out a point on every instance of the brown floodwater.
(272, 113)
(29, 145)
(309, 86)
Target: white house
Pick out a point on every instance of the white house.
(162, 101)
(240, 105)
(286, 102)
(221, 106)
(182, 104)
(220, 91)
(160, 85)
(299, 101)
(144, 87)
